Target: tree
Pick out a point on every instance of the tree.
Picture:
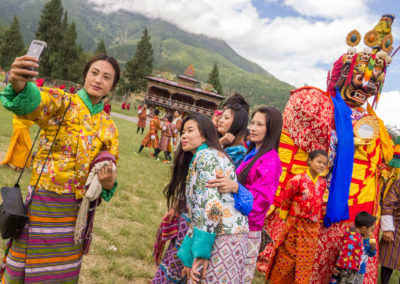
(213, 79)
(58, 67)
(101, 48)
(3, 30)
(122, 87)
(77, 55)
(140, 65)
(50, 31)
(11, 44)
(64, 62)
(69, 55)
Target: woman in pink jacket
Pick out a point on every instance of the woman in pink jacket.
(259, 173)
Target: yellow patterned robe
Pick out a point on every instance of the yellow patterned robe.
(81, 137)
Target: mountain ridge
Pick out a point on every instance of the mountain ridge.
(174, 48)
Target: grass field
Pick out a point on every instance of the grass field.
(125, 228)
(128, 222)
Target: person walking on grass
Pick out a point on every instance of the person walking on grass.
(151, 138)
(167, 134)
(46, 251)
(142, 118)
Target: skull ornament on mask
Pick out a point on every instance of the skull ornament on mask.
(366, 54)
(380, 58)
(350, 53)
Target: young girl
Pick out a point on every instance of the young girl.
(303, 200)
(232, 127)
(259, 173)
(218, 232)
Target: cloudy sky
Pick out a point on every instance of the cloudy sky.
(295, 40)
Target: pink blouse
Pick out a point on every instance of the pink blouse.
(262, 181)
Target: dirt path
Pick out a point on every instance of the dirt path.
(129, 118)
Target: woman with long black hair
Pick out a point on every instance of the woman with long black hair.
(218, 231)
(259, 173)
(176, 221)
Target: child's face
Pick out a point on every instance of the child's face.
(366, 232)
(318, 164)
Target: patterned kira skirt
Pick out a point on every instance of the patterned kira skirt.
(45, 252)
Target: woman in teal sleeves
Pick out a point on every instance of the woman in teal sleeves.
(218, 231)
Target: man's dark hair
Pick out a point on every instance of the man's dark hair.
(156, 111)
(363, 218)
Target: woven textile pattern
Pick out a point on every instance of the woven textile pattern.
(171, 266)
(45, 252)
(227, 262)
(253, 247)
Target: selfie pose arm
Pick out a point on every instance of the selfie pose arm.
(24, 98)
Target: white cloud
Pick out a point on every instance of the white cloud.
(329, 9)
(388, 108)
(291, 48)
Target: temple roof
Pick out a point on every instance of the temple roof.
(177, 85)
(187, 78)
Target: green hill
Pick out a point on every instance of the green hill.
(174, 48)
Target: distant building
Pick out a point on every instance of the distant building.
(181, 95)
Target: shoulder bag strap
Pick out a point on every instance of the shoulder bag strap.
(47, 157)
(27, 159)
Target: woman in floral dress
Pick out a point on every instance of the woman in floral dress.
(217, 234)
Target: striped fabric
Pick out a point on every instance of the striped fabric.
(45, 252)
(389, 252)
(169, 271)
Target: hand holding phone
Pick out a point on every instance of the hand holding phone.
(23, 69)
(36, 50)
(199, 269)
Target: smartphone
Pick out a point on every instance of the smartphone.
(200, 270)
(36, 49)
